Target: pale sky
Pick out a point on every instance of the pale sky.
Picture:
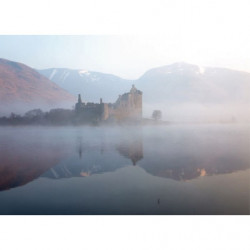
(208, 33)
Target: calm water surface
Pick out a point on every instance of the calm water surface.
(175, 169)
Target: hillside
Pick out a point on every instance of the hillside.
(22, 88)
(182, 82)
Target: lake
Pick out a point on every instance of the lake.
(160, 170)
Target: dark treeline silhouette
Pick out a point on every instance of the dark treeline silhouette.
(52, 117)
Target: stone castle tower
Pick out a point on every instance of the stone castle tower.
(79, 105)
(127, 107)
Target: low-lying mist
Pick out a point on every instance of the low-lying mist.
(21, 108)
(199, 112)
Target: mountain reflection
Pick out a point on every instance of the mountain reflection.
(23, 162)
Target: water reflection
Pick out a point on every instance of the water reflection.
(131, 147)
(168, 155)
(97, 159)
(22, 163)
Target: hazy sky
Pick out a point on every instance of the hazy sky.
(208, 33)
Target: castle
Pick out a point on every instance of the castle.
(128, 107)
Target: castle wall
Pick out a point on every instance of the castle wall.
(105, 111)
(127, 107)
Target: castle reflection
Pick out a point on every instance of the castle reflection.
(90, 160)
(132, 147)
(21, 165)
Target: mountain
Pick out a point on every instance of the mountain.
(184, 92)
(187, 92)
(182, 82)
(23, 88)
(90, 84)
(179, 82)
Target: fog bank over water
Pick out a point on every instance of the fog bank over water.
(195, 112)
(22, 108)
(184, 112)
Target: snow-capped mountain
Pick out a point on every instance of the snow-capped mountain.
(92, 85)
(182, 91)
(182, 82)
(179, 82)
(186, 92)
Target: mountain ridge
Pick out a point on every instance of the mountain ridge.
(179, 89)
(88, 83)
(205, 83)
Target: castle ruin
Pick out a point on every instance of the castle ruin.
(128, 107)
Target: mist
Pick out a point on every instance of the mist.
(198, 112)
(20, 108)
(124, 169)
